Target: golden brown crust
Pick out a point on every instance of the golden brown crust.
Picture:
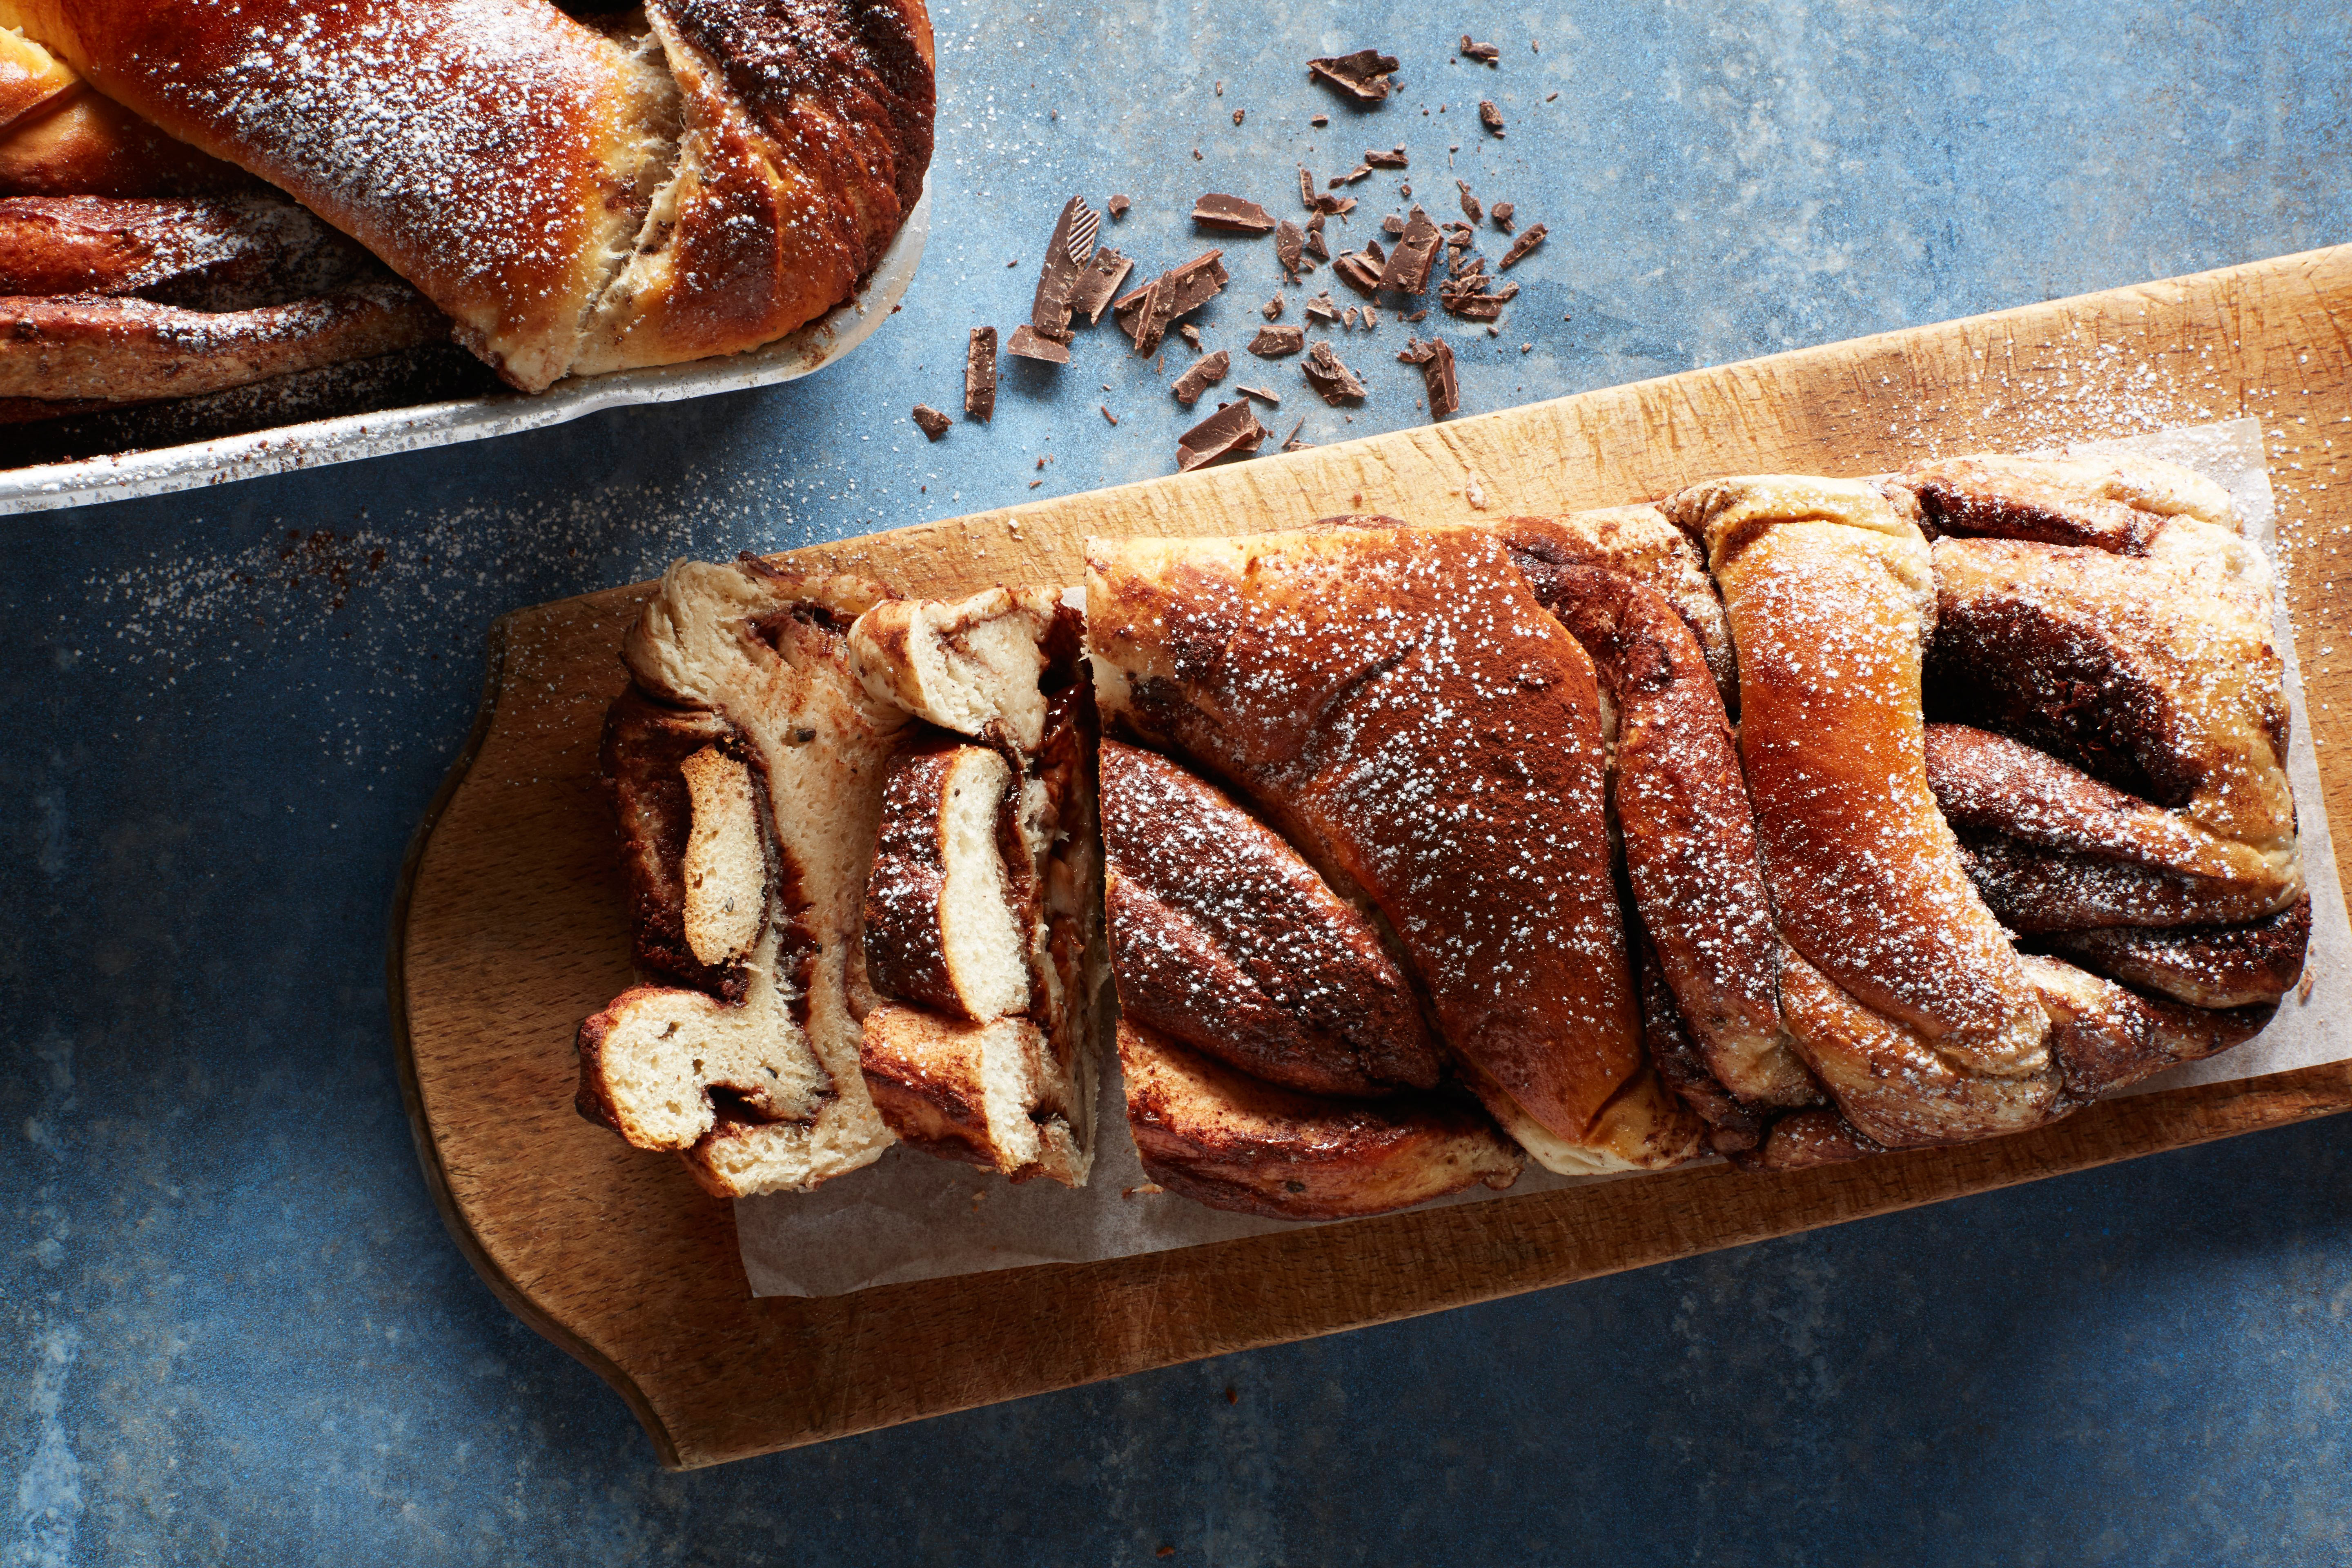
(1224, 938)
(1230, 1142)
(577, 202)
(216, 255)
(2117, 504)
(1636, 542)
(2133, 670)
(2205, 966)
(1804, 1140)
(2107, 1039)
(87, 346)
(1828, 591)
(1688, 826)
(1400, 705)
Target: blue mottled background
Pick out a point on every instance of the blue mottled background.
(231, 1328)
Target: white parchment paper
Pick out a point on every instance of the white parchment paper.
(910, 1216)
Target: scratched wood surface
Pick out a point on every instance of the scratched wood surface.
(510, 926)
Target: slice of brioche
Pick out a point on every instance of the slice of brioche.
(984, 1093)
(982, 912)
(942, 926)
(761, 1094)
(1227, 1141)
(973, 666)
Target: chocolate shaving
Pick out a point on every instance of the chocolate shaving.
(1289, 241)
(1371, 318)
(1316, 244)
(1359, 172)
(1293, 443)
(1148, 312)
(1029, 343)
(980, 375)
(1067, 256)
(1232, 431)
(1486, 53)
(1501, 213)
(1435, 358)
(1321, 308)
(1416, 254)
(930, 421)
(1119, 206)
(1109, 414)
(1341, 205)
(1520, 246)
(1204, 375)
(1362, 76)
(1470, 209)
(1261, 393)
(1190, 334)
(1359, 270)
(1393, 159)
(1274, 343)
(1232, 215)
(1272, 309)
(1333, 381)
(1490, 117)
(1349, 315)
(1100, 283)
(1305, 188)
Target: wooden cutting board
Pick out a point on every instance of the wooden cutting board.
(509, 926)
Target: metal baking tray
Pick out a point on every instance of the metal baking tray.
(316, 443)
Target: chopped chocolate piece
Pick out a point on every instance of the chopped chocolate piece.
(1465, 267)
(1190, 334)
(1149, 312)
(930, 421)
(1486, 53)
(1329, 377)
(1315, 224)
(1435, 358)
(1371, 318)
(1418, 315)
(1204, 375)
(1318, 120)
(980, 375)
(1467, 299)
(1320, 307)
(1362, 76)
(1315, 247)
(1261, 393)
(1349, 315)
(1358, 270)
(1232, 431)
(1490, 117)
(1470, 209)
(1342, 206)
(1520, 246)
(1552, 97)
(1293, 443)
(1405, 190)
(1066, 255)
(1391, 160)
(1107, 414)
(1119, 206)
(1272, 309)
(1274, 343)
(1359, 172)
(1501, 213)
(1237, 117)
(1030, 344)
(1416, 253)
(1392, 226)
(1289, 242)
(1232, 214)
(1100, 283)
(1372, 248)
(1305, 188)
